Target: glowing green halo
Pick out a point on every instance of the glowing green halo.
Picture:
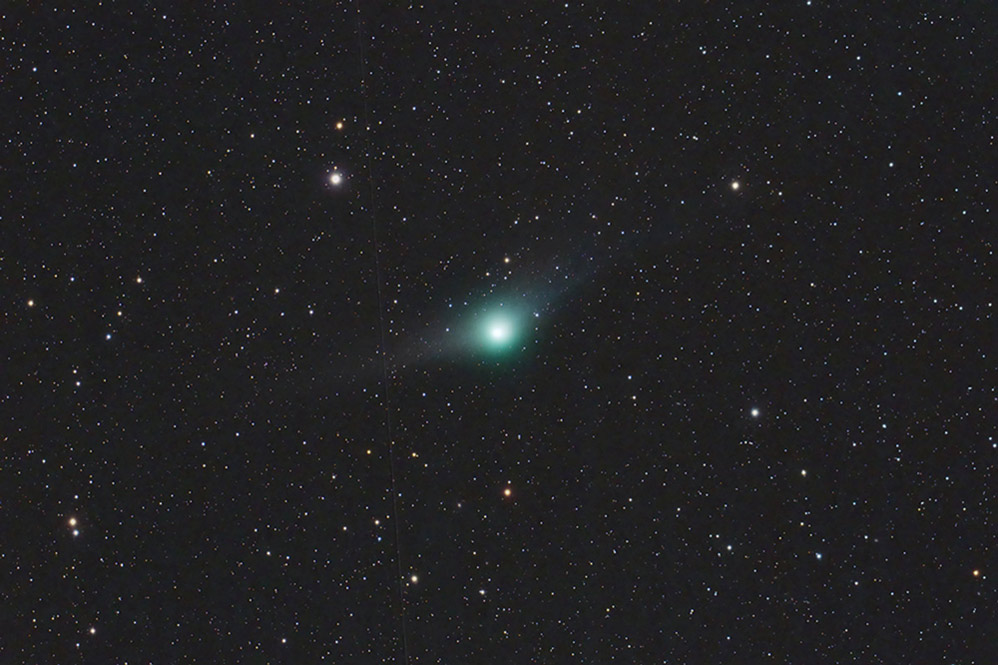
(497, 329)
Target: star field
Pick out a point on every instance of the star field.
(498, 332)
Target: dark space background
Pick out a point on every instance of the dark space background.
(749, 415)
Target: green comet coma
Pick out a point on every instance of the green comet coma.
(498, 330)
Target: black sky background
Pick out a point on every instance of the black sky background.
(749, 424)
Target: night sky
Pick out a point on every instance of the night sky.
(498, 332)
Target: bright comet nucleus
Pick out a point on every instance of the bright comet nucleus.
(498, 330)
